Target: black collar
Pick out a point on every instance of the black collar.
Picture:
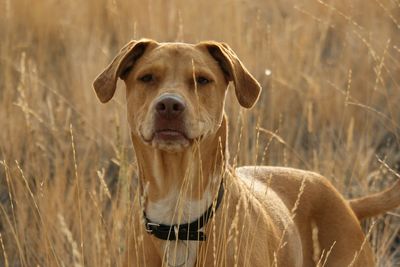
(187, 231)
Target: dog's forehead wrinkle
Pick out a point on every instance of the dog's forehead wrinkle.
(149, 64)
(173, 49)
(185, 52)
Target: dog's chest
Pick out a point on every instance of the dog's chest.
(174, 209)
(180, 253)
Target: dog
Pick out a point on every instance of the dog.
(196, 210)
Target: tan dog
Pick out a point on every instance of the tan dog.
(175, 99)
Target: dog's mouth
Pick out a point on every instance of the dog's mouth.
(170, 135)
(168, 139)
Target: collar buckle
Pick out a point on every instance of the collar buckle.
(150, 226)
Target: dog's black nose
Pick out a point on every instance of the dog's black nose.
(170, 106)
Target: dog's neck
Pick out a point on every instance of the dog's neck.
(179, 187)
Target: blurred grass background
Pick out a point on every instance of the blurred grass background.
(331, 77)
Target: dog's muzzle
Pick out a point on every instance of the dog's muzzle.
(169, 120)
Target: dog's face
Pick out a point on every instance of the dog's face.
(176, 91)
(175, 94)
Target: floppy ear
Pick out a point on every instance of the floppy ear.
(106, 83)
(247, 87)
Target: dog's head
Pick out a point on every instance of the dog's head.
(175, 91)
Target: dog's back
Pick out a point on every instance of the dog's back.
(314, 203)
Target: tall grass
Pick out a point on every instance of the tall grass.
(331, 77)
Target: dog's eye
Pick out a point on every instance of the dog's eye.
(202, 80)
(147, 78)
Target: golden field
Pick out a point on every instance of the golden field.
(330, 72)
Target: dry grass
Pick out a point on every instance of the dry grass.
(330, 72)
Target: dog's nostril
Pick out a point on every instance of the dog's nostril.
(177, 107)
(160, 106)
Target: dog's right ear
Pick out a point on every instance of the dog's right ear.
(106, 83)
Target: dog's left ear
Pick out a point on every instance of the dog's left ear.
(106, 83)
(247, 87)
